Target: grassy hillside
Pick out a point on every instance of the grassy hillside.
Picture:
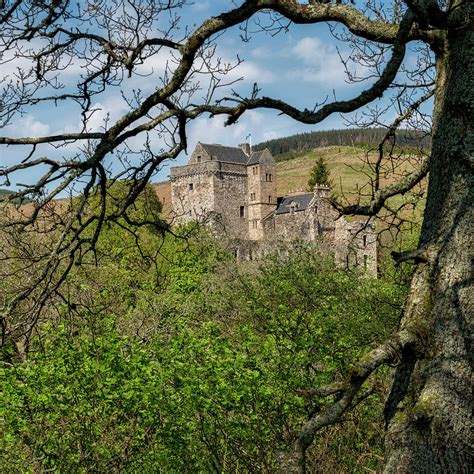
(349, 166)
(345, 163)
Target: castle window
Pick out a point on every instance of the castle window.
(252, 196)
(254, 224)
(365, 240)
(268, 177)
(242, 211)
(255, 170)
(269, 199)
(199, 158)
(366, 258)
(191, 186)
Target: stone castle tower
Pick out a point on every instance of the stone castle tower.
(234, 185)
(235, 188)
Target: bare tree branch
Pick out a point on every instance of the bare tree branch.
(382, 195)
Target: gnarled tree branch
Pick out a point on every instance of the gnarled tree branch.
(387, 353)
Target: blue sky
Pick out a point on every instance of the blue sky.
(300, 66)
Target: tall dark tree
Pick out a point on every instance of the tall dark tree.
(429, 411)
(320, 174)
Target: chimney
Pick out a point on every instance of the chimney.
(322, 191)
(245, 147)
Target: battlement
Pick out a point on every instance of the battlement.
(207, 167)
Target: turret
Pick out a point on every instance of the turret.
(262, 193)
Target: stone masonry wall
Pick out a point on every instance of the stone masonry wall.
(192, 193)
(356, 245)
(230, 193)
(262, 195)
(241, 201)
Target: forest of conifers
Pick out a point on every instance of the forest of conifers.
(344, 137)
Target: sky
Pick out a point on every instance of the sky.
(300, 66)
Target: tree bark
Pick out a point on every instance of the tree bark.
(429, 411)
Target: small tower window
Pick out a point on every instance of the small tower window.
(364, 239)
(268, 177)
(255, 223)
(252, 196)
(366, 259)
(199, 158)
(255, 170)
(191, 186)
(242, 211)
(269, 199)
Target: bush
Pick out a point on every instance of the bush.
(218, 380)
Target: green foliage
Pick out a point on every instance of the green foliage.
(205, 370)
(320, 174)
(65, 406)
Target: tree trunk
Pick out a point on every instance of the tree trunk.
(429, 411)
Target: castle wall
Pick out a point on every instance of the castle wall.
(192, 192)
(230, 192)
(293, 226)
(211, 189)
(356, 245)
(316, 222)
(239, 201)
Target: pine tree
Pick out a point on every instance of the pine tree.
(319, 174)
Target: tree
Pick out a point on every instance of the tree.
(428, 414)
(319, 174)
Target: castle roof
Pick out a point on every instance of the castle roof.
(226, 154)
(230, 154)
(299, 202)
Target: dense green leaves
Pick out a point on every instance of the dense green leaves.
(188, 362)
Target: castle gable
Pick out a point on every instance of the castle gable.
(259, 157)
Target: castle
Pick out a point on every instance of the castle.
(235, 189)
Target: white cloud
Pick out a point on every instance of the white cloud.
(27, 126)
(321, 62)
(155, 65)
(261, 52)
(213, 130)
(251, 71)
